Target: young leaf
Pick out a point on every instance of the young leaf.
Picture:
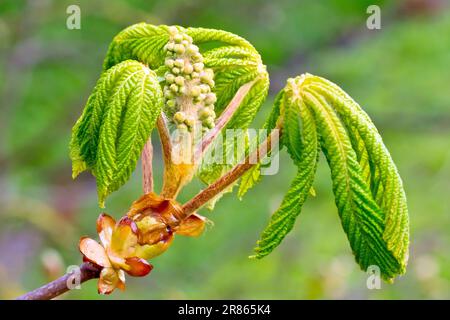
(117, 121)
(378, 168)
(362, 219)
(300, 138)
(367, 187)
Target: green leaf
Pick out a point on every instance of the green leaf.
(368, 190)
(141, 42)
(300, 138)
(362, 219)
(378, 168)
(117, 121)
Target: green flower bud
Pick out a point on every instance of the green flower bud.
(209, 123)
(182, 127)
(170, 78)
(189, 122)
(173, 87)
(179, 49)
(168, 94)
(197, 57)
(204, 114)
(169, 63)
(182, 90)
(178, 38)
(188, 68)
(198, 66)
(185, 43)
(175, 70)
(210, 98)
(195, 75)
(179, 80)
(179, 63)
(169, 46)
(179, 117)
(171, 103)
(187, 37)
(205, 88)
(173, 30)
(205, 77)
(192, 50)
(195, 91)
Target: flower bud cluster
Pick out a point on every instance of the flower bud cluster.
(188, 89)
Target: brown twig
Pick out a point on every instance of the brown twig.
(164, 136)
(147, 167)
(226, 180)
(57, 287)
(89, 271)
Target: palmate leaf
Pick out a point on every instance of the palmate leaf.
(300, 139)
(116, 122)
(368, 190)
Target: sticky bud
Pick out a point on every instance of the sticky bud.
(179, 80)
(170, 78)
(179, 49)
(179, 117)
(179, 63)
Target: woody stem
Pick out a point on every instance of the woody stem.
(57, 287)
(230, 177)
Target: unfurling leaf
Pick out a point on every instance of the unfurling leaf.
(116, 122)
(300, 139)
(368, 189)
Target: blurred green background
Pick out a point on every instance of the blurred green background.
(399, 74)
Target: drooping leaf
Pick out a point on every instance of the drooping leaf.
(301, 141)
(115, 124)
(378, 168)
(368, 190)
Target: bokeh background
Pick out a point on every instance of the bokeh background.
(399, 74)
